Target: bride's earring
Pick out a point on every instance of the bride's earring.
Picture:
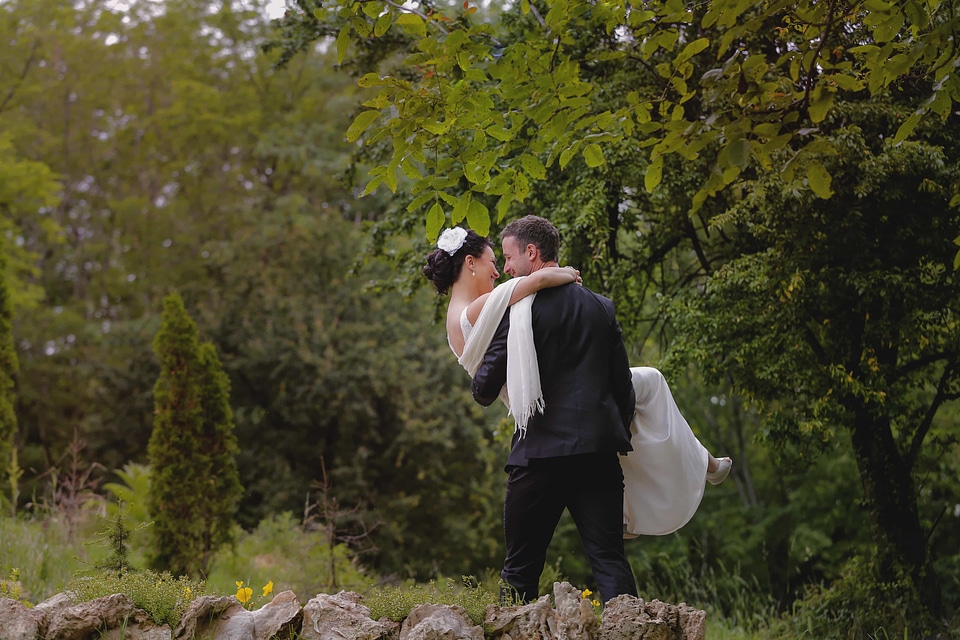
(474, 273)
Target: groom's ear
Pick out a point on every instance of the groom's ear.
(532, 252)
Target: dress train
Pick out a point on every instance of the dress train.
(664, 475)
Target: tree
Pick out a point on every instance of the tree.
(673, 137)
(468, 106)
(194, 486)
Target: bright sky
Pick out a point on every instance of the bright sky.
(275, 8)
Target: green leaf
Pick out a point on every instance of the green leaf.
(567, 155)
(889, 28)
(499, 132)
(478, 217)
(532, 165)
(653, 175)
(593, 155)
(820, 103)
(370, 80)
(461, 208)
(435, 220)
(372, 186)
(521, 187)
(904, 131)
(383, 23)
(738, 152)
(503, 205)
(412, 24)
(372, 9)
(692, 49)
(819, 180)
(360, 124)
(343, 41)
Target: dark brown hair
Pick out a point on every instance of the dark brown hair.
(537, 231)
(443, 269)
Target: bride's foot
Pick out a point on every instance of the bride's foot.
(721, 469)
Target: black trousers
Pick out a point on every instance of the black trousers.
(591, 487)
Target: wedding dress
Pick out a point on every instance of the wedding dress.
(664, 476)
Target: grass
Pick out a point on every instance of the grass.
(48, 560)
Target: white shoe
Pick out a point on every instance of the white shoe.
(718, 476)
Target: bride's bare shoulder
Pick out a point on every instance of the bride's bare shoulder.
(475, 307)
(454, 330)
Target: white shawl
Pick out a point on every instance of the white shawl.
(522, 393)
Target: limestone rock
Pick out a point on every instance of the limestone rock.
(49, 608)
(535, 621)
(98, 618)
(340, 617)
(280, 618)
(630, 618)
(575, 617)
(221, 618)
(139, 627)
(439, 622)
(19, 622)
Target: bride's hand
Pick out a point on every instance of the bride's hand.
(579, 280)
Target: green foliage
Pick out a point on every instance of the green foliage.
(131, 492)
(9, 365)
(194, 487)
(475, 113)
(739, 600)
(11, 587)
(292, 556)
(162, 596)
(46, 557)
(396, 602)
(115, 536)
(862, 605)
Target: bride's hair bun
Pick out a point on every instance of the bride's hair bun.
(443, 269)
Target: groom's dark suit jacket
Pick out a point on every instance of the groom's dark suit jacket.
(584, 373)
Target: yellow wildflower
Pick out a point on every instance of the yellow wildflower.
(587, 593)
(267, 589)
(244, 593)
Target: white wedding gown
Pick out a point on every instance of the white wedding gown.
(665, 474)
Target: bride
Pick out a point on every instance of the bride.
(664, 474)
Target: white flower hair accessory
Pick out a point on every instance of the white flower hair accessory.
(452, 239)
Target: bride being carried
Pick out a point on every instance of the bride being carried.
(665, 472)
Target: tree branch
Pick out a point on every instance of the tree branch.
(23, 74)
(924, 427)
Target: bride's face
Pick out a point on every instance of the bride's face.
(487, 273)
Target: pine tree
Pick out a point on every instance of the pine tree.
(194, 485)
(9, 366)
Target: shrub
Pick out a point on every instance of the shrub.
(162, 596)
(860, 606)
(396, 602)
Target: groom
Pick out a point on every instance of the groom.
(567, 458)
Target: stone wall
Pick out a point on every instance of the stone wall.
(565, 616)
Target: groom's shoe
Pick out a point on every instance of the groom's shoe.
(718, 476)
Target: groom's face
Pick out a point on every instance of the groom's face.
(516, 260)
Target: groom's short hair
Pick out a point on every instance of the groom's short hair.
(537, 231)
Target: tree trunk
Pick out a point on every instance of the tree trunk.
(892, 503)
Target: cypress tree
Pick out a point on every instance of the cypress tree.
(219, 443)
(9, 365)
(194, 486)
